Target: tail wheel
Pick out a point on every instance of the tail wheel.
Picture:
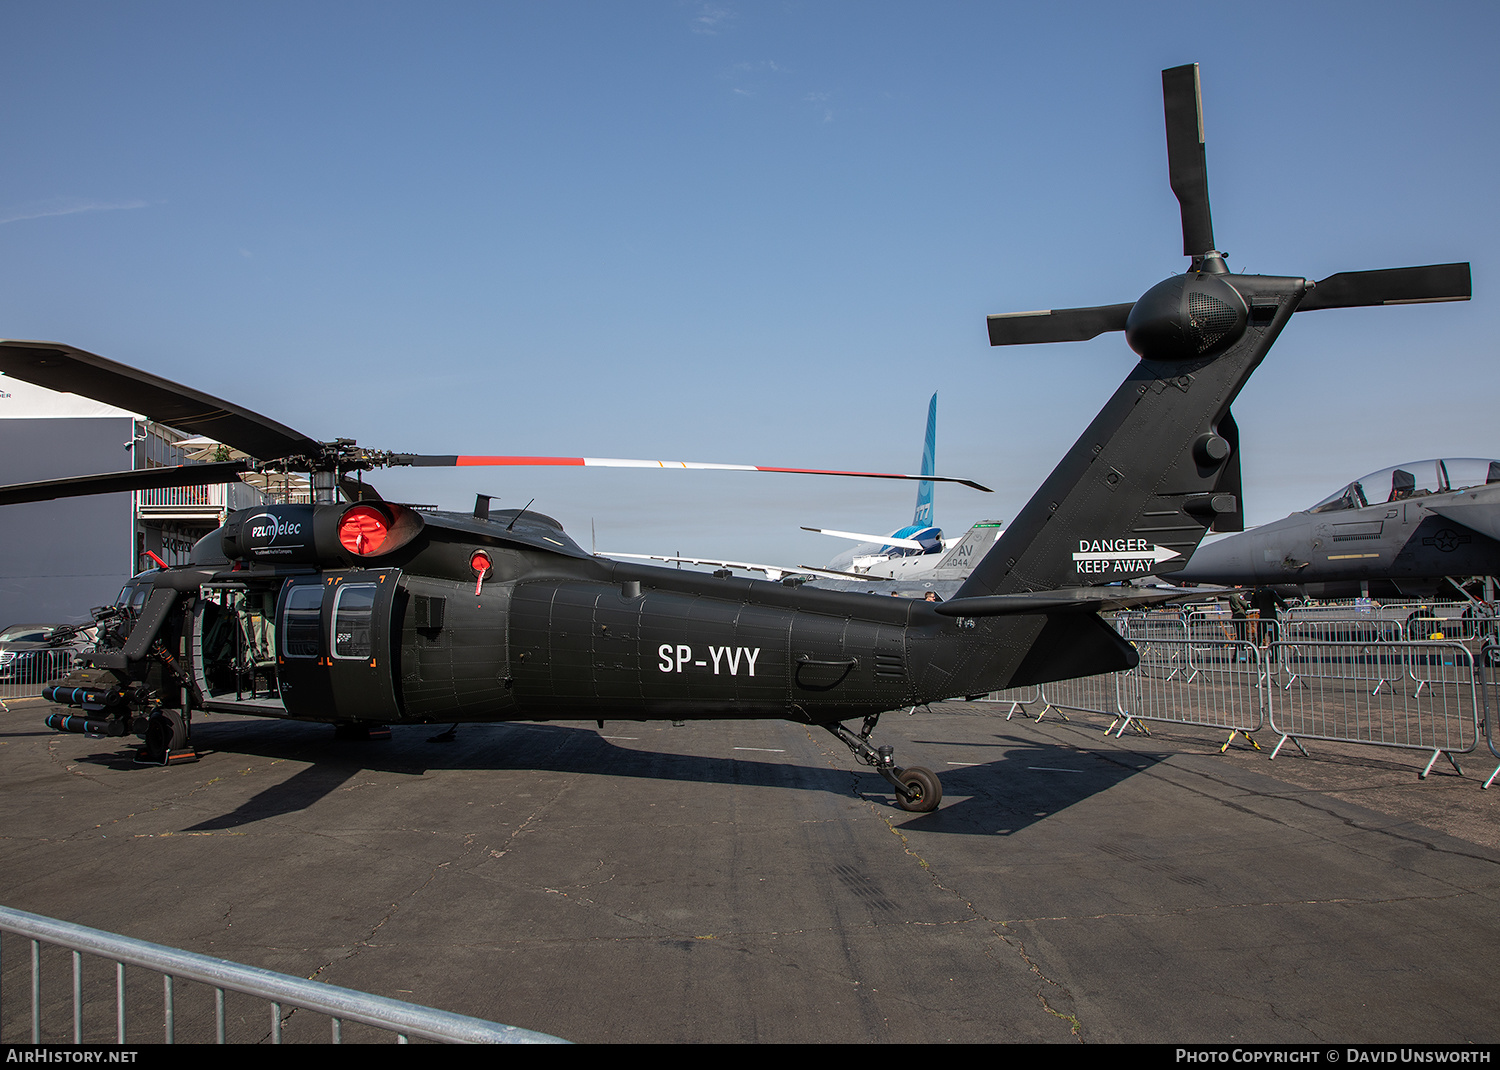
(926, 789)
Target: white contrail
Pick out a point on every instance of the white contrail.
(67, 206)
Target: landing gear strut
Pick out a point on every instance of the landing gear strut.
(917, 790)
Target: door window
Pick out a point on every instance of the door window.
(353, 608)
(301, 624)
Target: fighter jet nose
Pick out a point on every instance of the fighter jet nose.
(1206, 559)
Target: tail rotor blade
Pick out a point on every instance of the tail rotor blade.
(1057, 324)
(1186, 161)
(1391, 286)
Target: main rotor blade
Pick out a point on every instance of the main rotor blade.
(73, 371)
(1057, 324)
(1391, 286)
(182, 475)
(419, 460)
(1187, 164)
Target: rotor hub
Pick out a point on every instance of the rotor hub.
(1186, 317)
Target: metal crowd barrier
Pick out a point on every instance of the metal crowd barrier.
(1147, 626)
(1461, 629)
(340, 1004)
(1327, 695)
(1214, 684)
(1018, 698)
(24, 674)
(1089, 694)
(1367, 662)
(1431, 695)
(1236, 657)
(1358, 609)
(1488, 666)
(1343, 630)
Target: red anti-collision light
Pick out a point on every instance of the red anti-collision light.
(363, 530)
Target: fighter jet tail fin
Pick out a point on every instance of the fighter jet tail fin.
(972, 546)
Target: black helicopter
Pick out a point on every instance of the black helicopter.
(366, 613)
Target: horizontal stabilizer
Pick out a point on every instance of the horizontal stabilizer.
(1064, 600)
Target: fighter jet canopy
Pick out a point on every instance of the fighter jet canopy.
(1415, 479)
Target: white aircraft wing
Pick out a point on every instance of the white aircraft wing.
(883, 540)
(772, 572)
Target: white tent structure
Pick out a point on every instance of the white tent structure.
(60, 558)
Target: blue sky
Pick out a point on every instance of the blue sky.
(746, 232)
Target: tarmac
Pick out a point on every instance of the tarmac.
(743, 881)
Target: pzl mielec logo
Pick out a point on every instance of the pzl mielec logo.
(270, 534)
(270, 530)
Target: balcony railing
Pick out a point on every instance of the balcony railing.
(220, 498)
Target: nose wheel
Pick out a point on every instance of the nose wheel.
(918, 790)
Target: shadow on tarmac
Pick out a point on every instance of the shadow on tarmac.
(1028, 782)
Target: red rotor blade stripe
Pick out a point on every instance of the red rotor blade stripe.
(466, 461)
(470, 460)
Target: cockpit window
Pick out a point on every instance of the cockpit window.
(1418, 479)
(133, 596)
(1351, 497)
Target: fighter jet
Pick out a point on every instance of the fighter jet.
(1413, 529)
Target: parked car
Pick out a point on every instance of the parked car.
(38, 653)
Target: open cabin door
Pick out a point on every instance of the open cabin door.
(233, 648)
(336, 653)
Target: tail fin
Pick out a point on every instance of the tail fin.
(967, 551)
(922, 518)
(1153, 472)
